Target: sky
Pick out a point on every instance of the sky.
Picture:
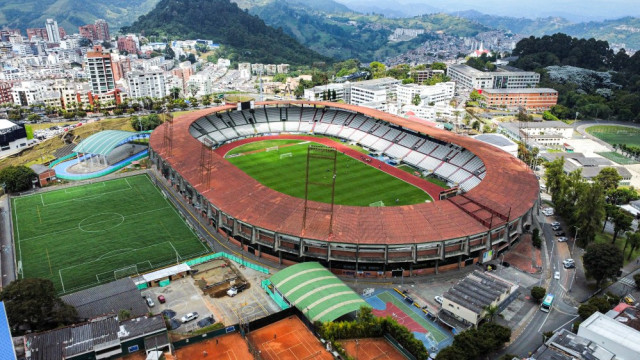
(575, 10)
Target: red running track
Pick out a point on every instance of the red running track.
(430, 188)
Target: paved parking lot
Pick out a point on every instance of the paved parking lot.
(182, 296)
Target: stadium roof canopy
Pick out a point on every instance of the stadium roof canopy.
(316, 292)
(104, 142)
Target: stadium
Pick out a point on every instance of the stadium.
(490, 205)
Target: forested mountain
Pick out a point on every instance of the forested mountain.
(224, 22)
(346, 35)
(70, 14)
(592, 80)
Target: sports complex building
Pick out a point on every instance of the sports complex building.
(496, 193)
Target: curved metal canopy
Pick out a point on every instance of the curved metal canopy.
(104, 142)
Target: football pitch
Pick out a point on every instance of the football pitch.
(83, 236)
(357, 184)
(613, 134)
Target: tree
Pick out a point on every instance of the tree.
(416, 100)
(538, 293)
(439, 66)
(490, 312)
(32, 304)
(586, 310)
(601, 303)
(145, 123)
(334, 96)
(475, 96)
(589, 211)
(378, 69)
(636, 278)
(475, 125)
(16, 178)
(535, 238)
(634, 241)
(608, 178)
(602, 261)
(621, 222)
(33, 117)
(174, 92)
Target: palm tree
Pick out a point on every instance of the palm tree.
(634, 241)
(490, 312)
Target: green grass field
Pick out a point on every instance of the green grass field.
(616, 134)
(83, 236)
(618, 158)
(357, 184)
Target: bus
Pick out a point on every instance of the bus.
(546, 304)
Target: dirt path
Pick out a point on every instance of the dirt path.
(430, 188)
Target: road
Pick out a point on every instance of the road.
(563, 312)
(6, 255)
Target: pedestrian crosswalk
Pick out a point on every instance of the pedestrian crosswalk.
(628, 281)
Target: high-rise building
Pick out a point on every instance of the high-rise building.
(143, 84)
(99, 71)
(53, 31)
(128, 43)
(102, 30)
(39, 32)
(88, 31)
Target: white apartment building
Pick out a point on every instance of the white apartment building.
(28, 93)
(99, 71)
(441, 92)
(468, 78)
(377, 90)
(283, 68)
(545, 132)
(147, 84)
(53, 32)
(245, 71)
(315, 93)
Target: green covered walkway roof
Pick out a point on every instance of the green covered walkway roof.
(316, 292)
(104, 142)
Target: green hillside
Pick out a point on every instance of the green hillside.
(70, 14)
(224, 22)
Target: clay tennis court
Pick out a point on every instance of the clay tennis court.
(372, 348)
(288, 339)
(227, 347)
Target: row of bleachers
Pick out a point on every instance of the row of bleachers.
(429, 163)
(308, 114)
(391, 134)
(441, 151)
(340, 117)
(397, 151)
(357, 121)
(369, 140)
(381, 145)
(459, 176)
(427, 147)
(263, 128)
(328, 116)
(445, 170)
(334, 129)
(470, 184)
(414, 158)
(462, 167)
(473, 165)
(367, 125)
(245, 130)
(381, 130)
(462, 158)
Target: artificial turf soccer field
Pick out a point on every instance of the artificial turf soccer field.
(616, 134)
(82, 236)
(357, 184)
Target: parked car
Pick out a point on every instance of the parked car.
(555, 223)
(438, 299)
(190, 316)
(569, 264)
(560, 233)
(562, 239)
(161, 299)
(150, 302)
(556, 228)
(556, 275)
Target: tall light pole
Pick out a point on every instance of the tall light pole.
(574, 268)
(575, 239)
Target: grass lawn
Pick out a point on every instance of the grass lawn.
(435, 180)
(259, 145)
(79, 236)
(618, 158)
(357, 184)
(620, 241)
(613, 134)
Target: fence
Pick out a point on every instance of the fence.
(105, 171)
(209, 335)
(64, 158)
(242, 262)
(400, 348)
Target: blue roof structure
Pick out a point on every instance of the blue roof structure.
(104, 142)
(7, 351)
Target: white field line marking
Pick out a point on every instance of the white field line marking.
(15, 210)
(88, 197)
(98, 222)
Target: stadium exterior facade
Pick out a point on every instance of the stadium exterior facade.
(499, 194)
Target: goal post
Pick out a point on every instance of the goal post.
(273, 148)
(125, 271)
(286, 155)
